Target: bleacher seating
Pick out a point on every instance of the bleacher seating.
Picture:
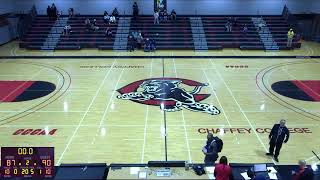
(38, 33)
(168, 35)
(83, 38)
(217, 36)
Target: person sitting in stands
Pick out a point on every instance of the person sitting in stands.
(112, 19)
(290, 36)
(245, 30)
(140, 40)
(147, 47)
(88, 24)
(228, 26)
(165, 16)
(106, 18)
(161, 16)
(115, 13)
(59, 14)
(235, 21)
(94, 25)
(108, 33)
(222, 170)
(304, 173)
(153, 45)
(260, 25)
(130, 43)
(173, 15)
(67, 30)
(70, 12)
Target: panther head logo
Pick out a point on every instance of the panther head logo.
(168, 94)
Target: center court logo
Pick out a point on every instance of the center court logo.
(167, 93)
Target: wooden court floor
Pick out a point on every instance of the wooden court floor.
(86, 120)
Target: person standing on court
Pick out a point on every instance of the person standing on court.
(290, 37)
(278, 135)
(211, 149)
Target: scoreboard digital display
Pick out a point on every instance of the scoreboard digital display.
(27, 162)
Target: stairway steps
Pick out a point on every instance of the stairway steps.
(198, 34)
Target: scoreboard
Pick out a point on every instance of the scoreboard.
(27, 162)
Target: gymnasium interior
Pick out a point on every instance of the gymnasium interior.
(160, 89)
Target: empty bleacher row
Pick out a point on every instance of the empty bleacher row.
(168, 35)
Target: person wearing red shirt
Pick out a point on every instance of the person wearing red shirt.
(222, 170)
(304, 173)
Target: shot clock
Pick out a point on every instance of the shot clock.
(27, 162)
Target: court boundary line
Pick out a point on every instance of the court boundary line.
(107, 108)
(36, 107)
(164, 120)
(85, 114)
(215, 94)
(183, 119)
(158, 57)
(176, 125)
(146, 121)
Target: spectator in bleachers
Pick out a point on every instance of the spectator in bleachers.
(115, 13)
(87, 24)
(173, 15)
(106, 17)
(131, 43)
(260, 25)
(112, 19)
(53, 10)
(245, 30)
(49, 12)
(135, 10)
(234, 21)
(228, 26)
(290, 36)
(108, 33)
(161, 17)
(59, 14)
(222, 170)
(147, 45)
(67, 29)
(304, 173)
(165, 16)
(140, 40)
(71, 12)
(153, 45)
(94, 25)
(156, 17)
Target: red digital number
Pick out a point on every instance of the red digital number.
(48, 171)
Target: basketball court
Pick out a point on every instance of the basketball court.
(87, 108)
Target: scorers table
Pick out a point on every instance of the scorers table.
(27, 162)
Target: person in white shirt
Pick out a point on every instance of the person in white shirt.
(156, 17)
(112, 19)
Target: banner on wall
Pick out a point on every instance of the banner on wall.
(160, 5)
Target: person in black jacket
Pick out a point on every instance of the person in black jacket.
(278, 135)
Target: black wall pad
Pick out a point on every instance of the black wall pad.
(166, 164)
(97, 171)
